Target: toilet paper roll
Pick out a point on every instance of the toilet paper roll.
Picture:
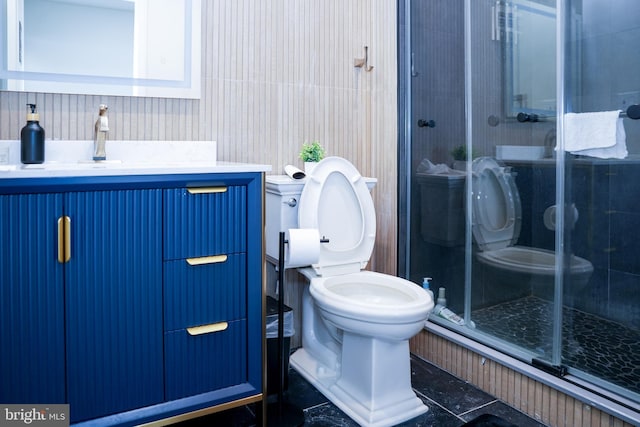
(549, 216)
(303, 248)
(294, 172)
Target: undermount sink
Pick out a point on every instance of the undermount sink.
(75, 158)
(89, 164)
(91, 168)
(108, 164)
(50, 166)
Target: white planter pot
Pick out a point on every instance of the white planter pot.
(460, 165)
(308, 167)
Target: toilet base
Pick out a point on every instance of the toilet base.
(387, 398)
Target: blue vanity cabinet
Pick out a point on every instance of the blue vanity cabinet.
(32, 365)
(205, 279)
(82, 300)
(133, 299)
(113, 301)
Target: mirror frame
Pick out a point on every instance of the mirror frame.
(512, 40)
(188, 88)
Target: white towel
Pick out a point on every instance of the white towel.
(599, 134)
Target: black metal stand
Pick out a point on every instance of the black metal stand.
(279, 413)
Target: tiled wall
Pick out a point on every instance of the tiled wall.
(600, 191)
(274, 75)
(610, 63)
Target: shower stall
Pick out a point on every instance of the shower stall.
(487, 91)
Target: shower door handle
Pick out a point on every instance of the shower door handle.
(426, 123)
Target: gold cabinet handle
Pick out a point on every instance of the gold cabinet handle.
(64, 239)
(207, 260)
(206, 190)
(60, 240)
(207, 329)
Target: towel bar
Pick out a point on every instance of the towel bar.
(633, 112)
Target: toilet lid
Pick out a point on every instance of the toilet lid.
(336, 201)
(496, 205)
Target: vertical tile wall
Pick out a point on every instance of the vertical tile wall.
(274, 75)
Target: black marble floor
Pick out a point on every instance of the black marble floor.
(451, 401)
(590, 343)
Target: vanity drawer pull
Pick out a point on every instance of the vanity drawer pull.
(207, 329)
(207, 260)
(206, 190)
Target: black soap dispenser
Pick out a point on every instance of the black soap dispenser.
(32, 139)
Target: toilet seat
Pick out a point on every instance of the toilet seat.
(496, 225)
(336, 201)
(496, 206)
(533, 261)
(372, 304)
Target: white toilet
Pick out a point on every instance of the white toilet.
(355, 324)
(496, 228)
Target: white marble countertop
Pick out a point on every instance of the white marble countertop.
(73, 159)
(105, 169)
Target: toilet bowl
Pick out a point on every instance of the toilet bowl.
(371, 304)
(496, 228)
(355, 324)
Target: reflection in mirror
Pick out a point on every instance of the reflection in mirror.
(102, 47)
(527, 29)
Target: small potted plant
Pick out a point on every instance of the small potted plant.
(311, 154)
(460, 157)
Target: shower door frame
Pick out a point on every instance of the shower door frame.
(562, 169)
(405, 134)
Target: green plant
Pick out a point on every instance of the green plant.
(312, 152)
(460, 153)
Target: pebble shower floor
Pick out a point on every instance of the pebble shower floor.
(594, 345)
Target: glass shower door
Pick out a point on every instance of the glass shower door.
(536, 247)
(511, 129)
(601, 314)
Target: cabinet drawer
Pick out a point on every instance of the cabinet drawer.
(204, 221)
(210, 361)
(204, 293)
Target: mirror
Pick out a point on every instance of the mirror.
(527, 29)
(101, 47)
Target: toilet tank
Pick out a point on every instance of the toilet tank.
(441, 208)
(282, 195)
(281, 208)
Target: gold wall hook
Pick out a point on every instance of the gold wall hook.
(363, 62)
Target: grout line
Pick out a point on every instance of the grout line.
(424, 396)
(479, 407)
(316, 406)
(253, 414)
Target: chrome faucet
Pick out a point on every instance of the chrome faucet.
(100, 135)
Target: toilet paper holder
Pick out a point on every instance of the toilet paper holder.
(323, 239)
(288, 412)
